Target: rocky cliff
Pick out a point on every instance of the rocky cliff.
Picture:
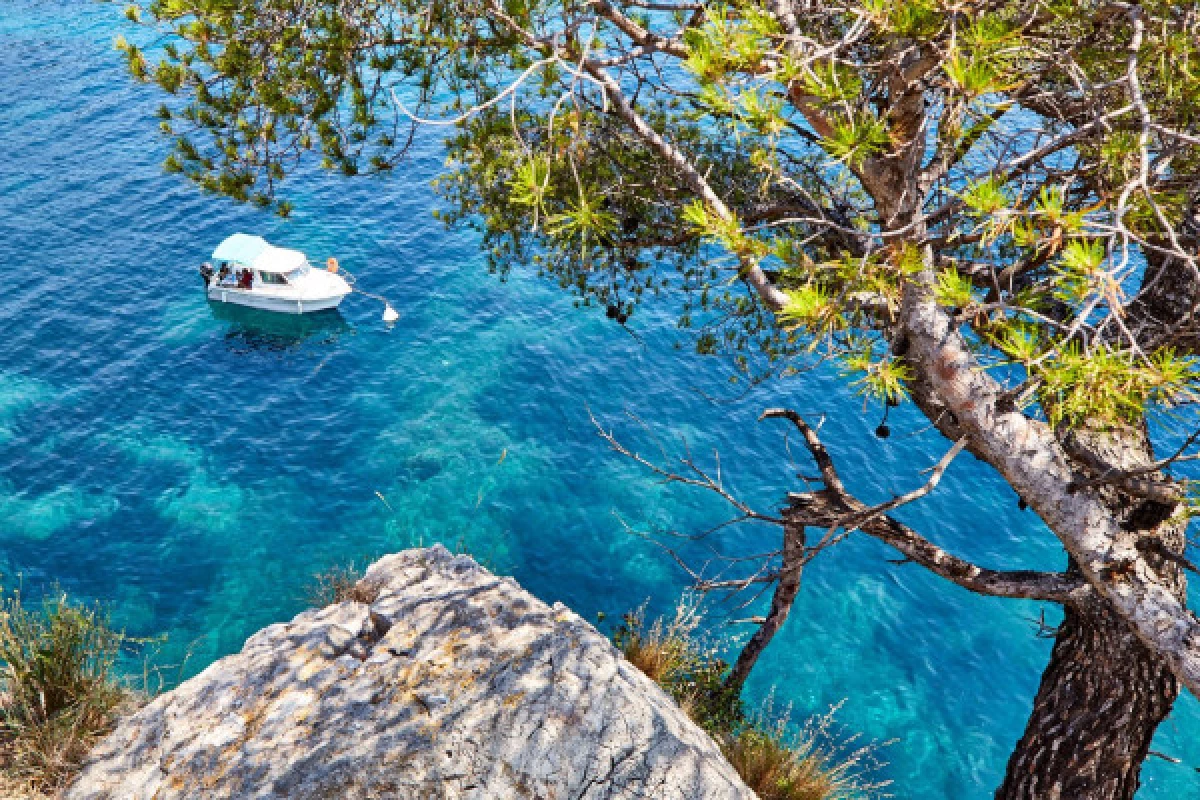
(450, 683)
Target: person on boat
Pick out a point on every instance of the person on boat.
(246, 280)
(223, 276)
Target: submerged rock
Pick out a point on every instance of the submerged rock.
(452, 683)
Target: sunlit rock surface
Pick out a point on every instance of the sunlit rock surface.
(452, 683)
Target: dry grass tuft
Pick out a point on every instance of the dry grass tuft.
(806, 766)
(665, 650)
(775, 765)
(59, 692)
(341, 583)
(773, 770)
(672, 654)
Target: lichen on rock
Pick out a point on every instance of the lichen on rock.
(453, 683)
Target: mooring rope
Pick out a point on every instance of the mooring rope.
(389, 314)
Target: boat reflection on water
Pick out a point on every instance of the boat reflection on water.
(251, 329)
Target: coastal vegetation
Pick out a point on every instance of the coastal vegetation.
(776, 761)
(339, 583)
(60, 690)
(986, 212)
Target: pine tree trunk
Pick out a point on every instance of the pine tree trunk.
(1101, 698)
(1104, 693)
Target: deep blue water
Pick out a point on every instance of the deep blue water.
(192, 468)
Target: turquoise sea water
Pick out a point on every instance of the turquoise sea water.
(193, 467)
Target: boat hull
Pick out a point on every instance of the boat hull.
(280, 305)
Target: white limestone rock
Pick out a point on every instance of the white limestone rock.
(451, 684)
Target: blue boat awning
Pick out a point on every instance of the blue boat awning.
(240, 248)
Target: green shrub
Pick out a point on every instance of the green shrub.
(58, 689)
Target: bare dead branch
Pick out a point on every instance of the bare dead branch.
(824, 463)
(835, 508)
(698, 476)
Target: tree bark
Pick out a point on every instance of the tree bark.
(786, 590)
(1104, 693)
(1101, 698)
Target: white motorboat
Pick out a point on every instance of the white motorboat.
(247, 271)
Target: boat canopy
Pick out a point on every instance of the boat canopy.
(241, 248)
(256, 253)
(279, 259)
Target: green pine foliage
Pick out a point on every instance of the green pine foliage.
(1027, 255)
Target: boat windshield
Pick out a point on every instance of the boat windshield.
(299, 272)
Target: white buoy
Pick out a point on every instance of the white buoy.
(389, 313)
